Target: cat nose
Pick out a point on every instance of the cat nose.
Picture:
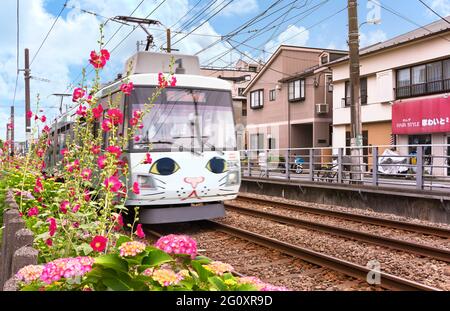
(194, 181)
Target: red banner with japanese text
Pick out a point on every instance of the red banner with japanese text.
(431, 115)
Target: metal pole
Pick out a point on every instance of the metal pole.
(168, 41)
(12, 130)
(27, 99)
(419, 168)
(355, 104)
(375, 166)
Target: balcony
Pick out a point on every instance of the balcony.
(428, 88)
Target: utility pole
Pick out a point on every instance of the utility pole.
(168, 40)
(355, 103)
(27, 99)
(12, 130)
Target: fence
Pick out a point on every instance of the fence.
(422, 167)
(16, 249)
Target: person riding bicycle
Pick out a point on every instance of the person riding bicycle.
(298, 161)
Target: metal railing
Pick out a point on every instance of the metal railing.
(421, 167)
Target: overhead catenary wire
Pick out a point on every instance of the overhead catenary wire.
(436, 13)
(17, 51)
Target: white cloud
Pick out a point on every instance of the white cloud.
(240, 7)
(372, 37)
(441, 6)
(71, 40)
(293, 35)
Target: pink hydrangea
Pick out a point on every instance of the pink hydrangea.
(30, 273)
(131, 248)
(66, 268)
(178, 244)
(166, 277)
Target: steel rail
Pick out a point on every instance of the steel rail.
(388, 281)
(442, 232)
(423, 250)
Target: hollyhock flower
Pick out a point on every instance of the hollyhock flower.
(46, 129)
(49, 242)
(162, 82)
(97, 111)
(40, 152)
(105, 54)
(98, 243)
(126, 88)
(136, 189)
(9, 126)
(178, 244)
(42, 166)
(86, 196)
(73, 166)
(134, 121)
(131, 248)
(117, 151)
(77, 94)
(141, 126)
(81, 111)
(52, 227)
(120, 222)
(107, 125)
(86, 174)
(113, 184)
(101, 161)
(137, 138)
(30, 273)
(173, 81)
(115, 115)
(137, 114)
(76, 224)
(64, 206)
(139, 232)
(66, 268)
(89, 99)
(76, 208)
(148, 159)
(38, 188)
(64, 152)
(166, 277)
(95, 149)
(99, 61)
(29, 114)
(34, 211)
(43, 119)
(218, 267)
(36, 117)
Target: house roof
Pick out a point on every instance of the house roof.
(434, 29)
(278, 52)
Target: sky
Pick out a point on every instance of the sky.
(57, 66)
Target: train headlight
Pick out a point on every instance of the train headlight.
(145, 181)
(233, 178)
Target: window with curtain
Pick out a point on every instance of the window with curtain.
(296, 90)
(418, 86)
(446, 75)
(257, 99)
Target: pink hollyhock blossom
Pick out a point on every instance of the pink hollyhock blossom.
(137, 114)
(40, 152)
(117, 151)
(64, 152)
(98, 243)
(97, 111)
(29, 114)
(86, 196)
(95, 149)
(173, 81)
(43, 119)
(76, 224)
(120, 222)
(76, 208)
(141, 126)
(86, 174)
(105, 54)
(162, 82)
(101, 161)
(136, 189)
(81, 111)
(113, 184)
(99, 60)
(38, 188)
(134, 121)
(115, 115)
(46, 129)
(139, 232)
(64, 206)
(77, 94)
(148, 159)
(34, 211)
(49, 242)
(126, 88)
(137, 138)
(52, 227)
(107, 125)
(178, 244)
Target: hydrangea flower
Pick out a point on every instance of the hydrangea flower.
(30, 273)
(166, 277)
(131, 248)
(66, 268)
(178, 244)
(218, 267)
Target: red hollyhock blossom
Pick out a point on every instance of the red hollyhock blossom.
(38, 188)
(139, 232)
(52, 227)
(64, 206)
(114, 150)
(162, 82)
(86, 196)
(75, 209)
(43, 119)
(137, 138)
(98, 111)
(136, 189)
(99, 60)
(64, 152)
(36, 117)
(82, 111)
(46, 129)
(134, 121)
(148, 159)
(126, 88)
(116, 116)
(77, 94)
(101, 161)
(120, 222)
(34, 211)
(137, 114)
(98, 243)
(107, 125)
(105, 54)
(86, 174)
(40, 152)
(49, 242)
(173, 82)
(95, 149)
(141, 126)
(29, 114)
(113, 184)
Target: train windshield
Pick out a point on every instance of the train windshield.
(183, 119)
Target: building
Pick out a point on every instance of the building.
(405, 83)
(289, 100)
(240, 76)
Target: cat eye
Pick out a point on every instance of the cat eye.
(164, 166)
(217, 165)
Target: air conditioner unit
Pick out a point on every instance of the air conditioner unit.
(321, 108)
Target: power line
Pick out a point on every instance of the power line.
(431, 9)
(17, 51)
(48, 33)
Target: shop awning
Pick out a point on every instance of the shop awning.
(431, 115)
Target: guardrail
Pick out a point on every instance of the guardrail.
(422, 167)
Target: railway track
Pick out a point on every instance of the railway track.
(442, 232)
(416, 248)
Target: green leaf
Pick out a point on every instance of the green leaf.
(122, 239)
(156, 257)
(217, 283)
(116, 284)
(112, 261)
(202, 272)
(246, 287)
(203, 260)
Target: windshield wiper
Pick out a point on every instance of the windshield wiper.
(180, 147)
